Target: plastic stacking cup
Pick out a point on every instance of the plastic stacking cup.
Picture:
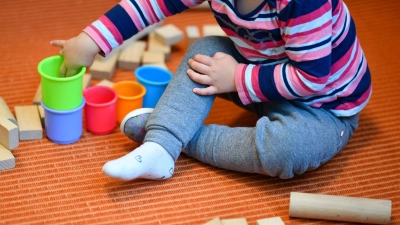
(60, 93)
(130, 97)
(100, 109)
(63, 127)
(155, 80)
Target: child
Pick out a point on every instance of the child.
(297, 64)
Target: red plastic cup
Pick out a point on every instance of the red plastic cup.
(100, 109)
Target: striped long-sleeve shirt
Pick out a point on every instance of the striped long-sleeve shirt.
(305, 50)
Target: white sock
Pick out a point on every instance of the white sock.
(149, 161)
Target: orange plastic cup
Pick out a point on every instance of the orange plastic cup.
(130, 97)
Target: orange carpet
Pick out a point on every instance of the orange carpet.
(63, 184)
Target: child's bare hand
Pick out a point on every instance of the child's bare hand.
(78, 52)
(218, 72)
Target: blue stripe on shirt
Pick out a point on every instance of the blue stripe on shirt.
(175, 6)
(267, 85)
(140, 13)
(122, 21)
(318, 68)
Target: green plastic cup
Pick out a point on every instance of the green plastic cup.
(60, 93)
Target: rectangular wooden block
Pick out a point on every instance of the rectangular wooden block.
(155, 45)
(161, 65)
(237, 221)
(38, 95)
(8, 133)
(213, 30)
(153, 57)
(105, 83)
(215, 221)
(193, 34)
(6, 112)
(169, 34)
(7, 160)
(87, 80)
(271, 221)
(129, 58)
(30, 127)
(104, 67)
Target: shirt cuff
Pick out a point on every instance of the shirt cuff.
(99, 39)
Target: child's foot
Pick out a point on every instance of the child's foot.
(134, 123)
(149, 161)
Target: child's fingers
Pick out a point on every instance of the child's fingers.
(200, 67)
(204, 59)
(219, 55)
(211, 90)
(58, 43)
(63, 70)
(199, 78)
(71, 72)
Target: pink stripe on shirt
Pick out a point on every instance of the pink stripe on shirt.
(131, 12)
(113, 30)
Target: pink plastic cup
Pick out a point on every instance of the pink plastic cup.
(100, 109)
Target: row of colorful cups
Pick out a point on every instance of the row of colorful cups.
(63, 100)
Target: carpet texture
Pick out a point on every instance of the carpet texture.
(63, 184)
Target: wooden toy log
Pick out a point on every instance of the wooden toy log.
(5, 111)
(340, 208)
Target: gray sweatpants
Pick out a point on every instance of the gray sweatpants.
(289, 137)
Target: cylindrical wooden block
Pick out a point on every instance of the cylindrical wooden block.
(5, 111)
(340, 208)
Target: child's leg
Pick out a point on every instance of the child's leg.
(289, 139)
(175, 120)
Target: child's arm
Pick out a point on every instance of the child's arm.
(130, 17)
(306, 28)
(117, 25)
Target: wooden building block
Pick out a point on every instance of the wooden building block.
(340, 208)
(7, 160)
(143, 33)
(169, 34)
(30, 127)
(87, 80)
(104, 67)
(161, 65)
(193, 34)
(8, 133)
(153, 57)
(271, 221)
(215, 221)
(38, 95)
(105, 83)
(238, 221)
(213, 30)
(129, 58)
(41, 114)
(155, 45)
(5, 111)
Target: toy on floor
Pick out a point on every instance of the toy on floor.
(340, 208)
